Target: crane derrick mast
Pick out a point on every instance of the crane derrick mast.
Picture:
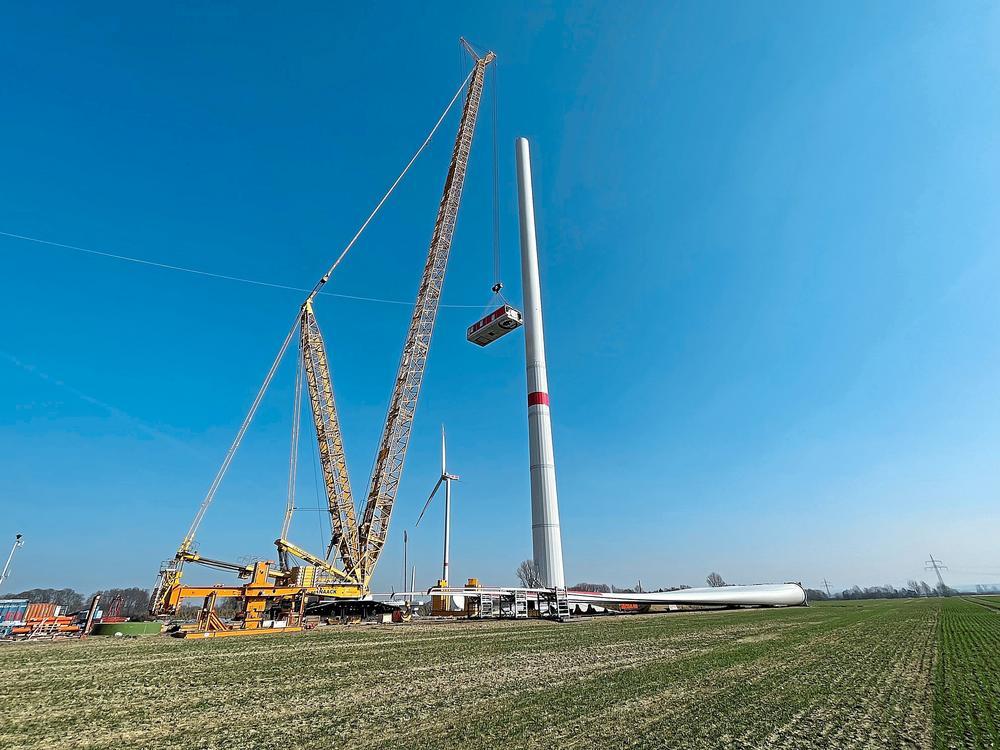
(343, 522)
(403, 402)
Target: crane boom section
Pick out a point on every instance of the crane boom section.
(388, 467)
(286, 546)
(331, 443)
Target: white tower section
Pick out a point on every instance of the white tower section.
(545, 535)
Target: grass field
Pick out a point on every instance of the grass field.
(891, 674)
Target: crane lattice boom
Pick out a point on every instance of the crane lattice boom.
(331, 442)
(402, 405)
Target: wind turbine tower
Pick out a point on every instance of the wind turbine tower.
(545, 533)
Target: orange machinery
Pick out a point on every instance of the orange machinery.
(267, 599)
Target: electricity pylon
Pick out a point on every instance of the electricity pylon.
(937, 566)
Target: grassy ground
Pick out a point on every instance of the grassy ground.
(897, 674)
(967, 681)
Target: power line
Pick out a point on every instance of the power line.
(210, 274)
(326, 277)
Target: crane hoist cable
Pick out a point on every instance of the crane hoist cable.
(494, 117)
(214, 487)
(293, 456)
(497, 280)
(496, 270)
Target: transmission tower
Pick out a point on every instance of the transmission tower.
(826, 583)
(937, 566)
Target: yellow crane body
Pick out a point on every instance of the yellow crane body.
(260, 597)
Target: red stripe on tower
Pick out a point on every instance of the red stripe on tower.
(538, 397)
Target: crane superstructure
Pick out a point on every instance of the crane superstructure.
(354, 550)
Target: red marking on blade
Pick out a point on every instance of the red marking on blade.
(538, 397)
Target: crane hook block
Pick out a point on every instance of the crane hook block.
(498, 323)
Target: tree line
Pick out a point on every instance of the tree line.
(912, 590)
(527, 573)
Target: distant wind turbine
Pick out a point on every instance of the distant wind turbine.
(445, 479)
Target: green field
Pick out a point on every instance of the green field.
(865, 674)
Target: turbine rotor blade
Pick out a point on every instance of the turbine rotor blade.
(443, 452)
(427, 504)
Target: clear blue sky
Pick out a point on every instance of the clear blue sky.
(768, 236)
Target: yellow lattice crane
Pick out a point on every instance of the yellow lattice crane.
(345, 572)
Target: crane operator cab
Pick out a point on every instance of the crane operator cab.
(498, 323)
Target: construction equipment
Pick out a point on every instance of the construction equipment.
(266, 606)
(346, 570)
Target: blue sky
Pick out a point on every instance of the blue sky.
(769, 264)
